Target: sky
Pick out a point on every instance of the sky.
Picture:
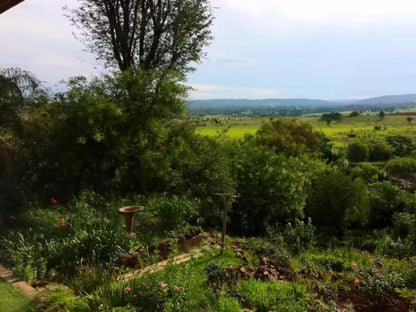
(326, 49)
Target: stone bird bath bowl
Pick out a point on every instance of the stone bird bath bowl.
(129, 212)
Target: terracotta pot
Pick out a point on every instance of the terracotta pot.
(129, 213)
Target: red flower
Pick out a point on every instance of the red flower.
(354, 265)
(127, 290)
(356, 282)
(377, 271)
(12, 218)
(291, 264)
(53, 201)
(61, 223)
(371, 260)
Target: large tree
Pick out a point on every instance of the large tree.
(155, 34)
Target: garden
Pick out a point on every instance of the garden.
(299, 214)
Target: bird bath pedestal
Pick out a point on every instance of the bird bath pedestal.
(129, 213)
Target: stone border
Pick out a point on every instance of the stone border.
(30, 292)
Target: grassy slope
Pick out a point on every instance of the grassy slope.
(11, 300)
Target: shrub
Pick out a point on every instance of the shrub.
(271, 188)
(385, 200)
(404, 167)
(173, 214)
(402, 146)
(289, 136)
(337, 202)
(354, 114)
(298, 235)
(379, 151)
(404, 224)
(328, 261)
(367, 172)
(377, 284)
(358, 151)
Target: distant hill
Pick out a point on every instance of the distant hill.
(294, 107)
(389, 99)
(244, 103)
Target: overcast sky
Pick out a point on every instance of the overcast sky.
(328, 49)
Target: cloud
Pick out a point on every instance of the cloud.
(323, 10)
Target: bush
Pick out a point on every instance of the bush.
(358, 151)
(289, 136)
(402, 146)
(328, 262)
(298, 235)
(379, 151)
(173, 214)
(271, 188)
(367, 172)
(403, 167)
(337, 202)
(385, 200)
(377, 284)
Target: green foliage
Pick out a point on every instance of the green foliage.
(197, 166)
(229, 304)
(289, 136)
(272, 188)
(298, 235)
(409, 295)
(329, 117)
(173, 214)
(367, 172)
(385, 200)
(162, 35)
(12, 300)
(274, 250)
(266, 296)
(402, 146)
(378, 286)
(42, 245)
(354, 114)
(177, 288)
(403, 167)
(216, 275)
(405, 224)
(327, 261)
(358, 151)
(63, 300)
(379, 151)
(337, 202)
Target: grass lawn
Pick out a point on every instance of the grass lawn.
(11, 300)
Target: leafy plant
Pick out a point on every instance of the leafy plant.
(269, 296)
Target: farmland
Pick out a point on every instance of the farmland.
(339, 133)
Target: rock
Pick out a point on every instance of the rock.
(267, 270)
(129, 260)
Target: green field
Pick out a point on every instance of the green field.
(362, 126)
(11, 300)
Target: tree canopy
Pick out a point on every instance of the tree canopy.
(155, 34)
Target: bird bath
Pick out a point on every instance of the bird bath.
(129, 212)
